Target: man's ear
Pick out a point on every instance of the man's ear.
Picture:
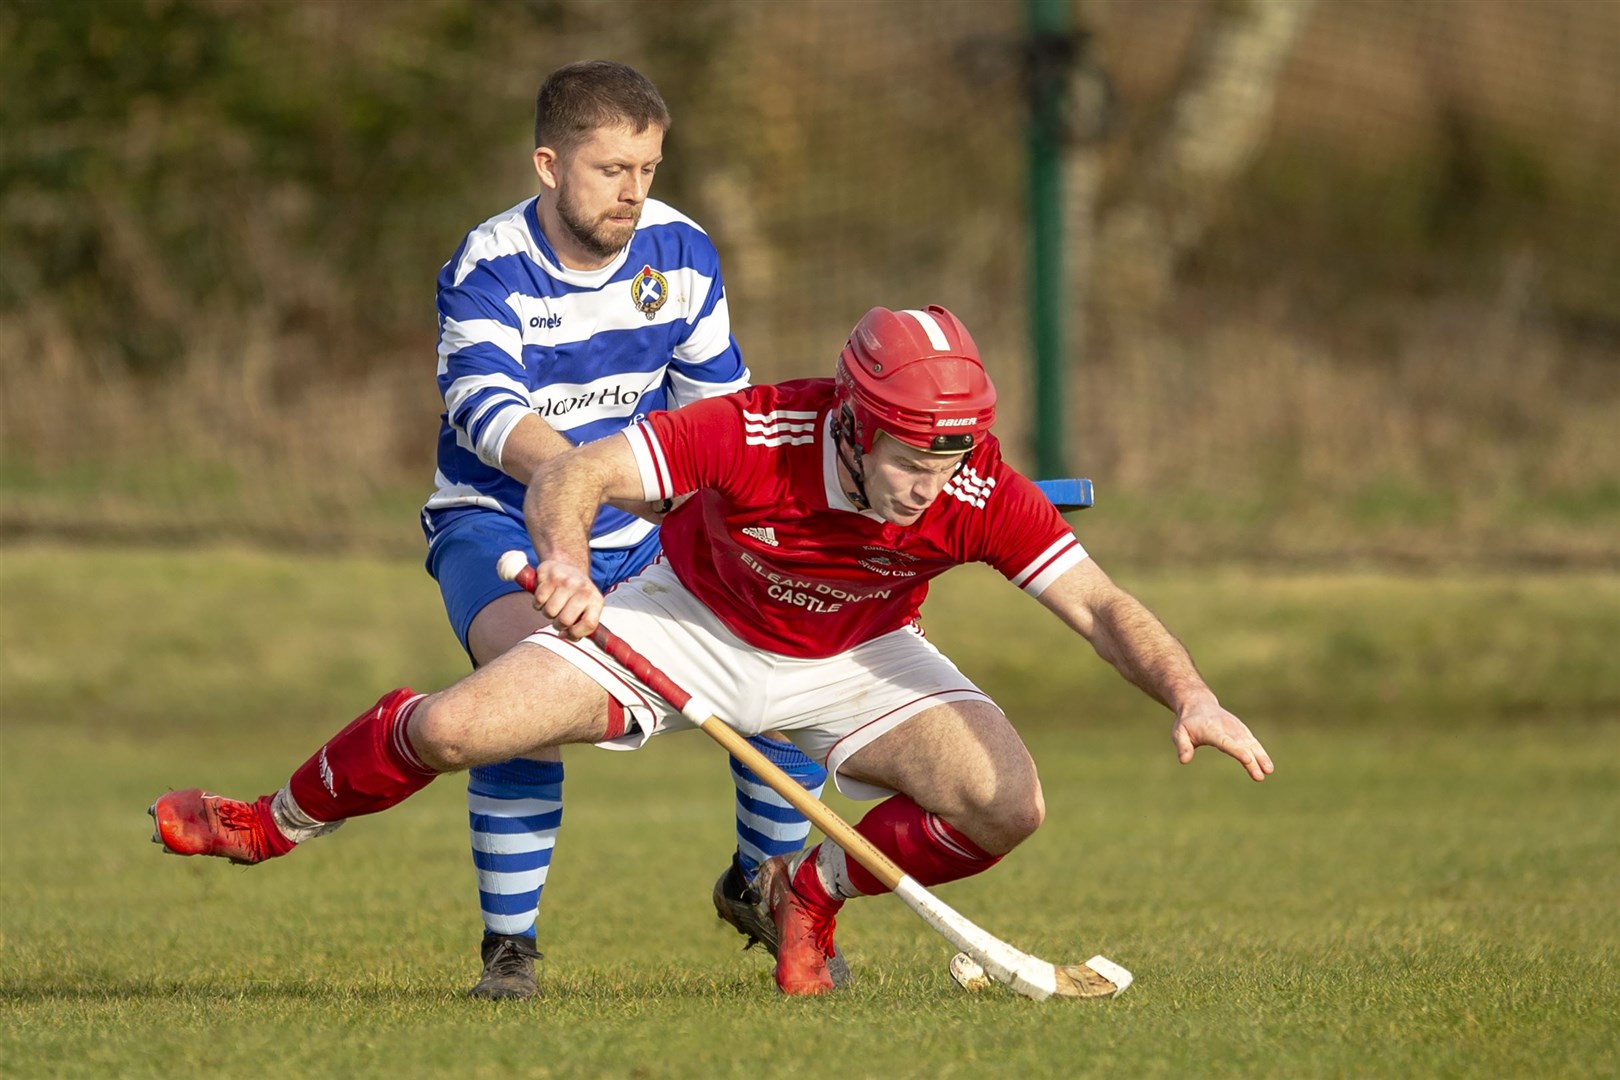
(547, 164)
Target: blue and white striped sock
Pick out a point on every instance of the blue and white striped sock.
(766, 825)
(514, 810)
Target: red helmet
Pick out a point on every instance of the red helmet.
(916, 375)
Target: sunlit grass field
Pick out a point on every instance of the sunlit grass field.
(1427, 887)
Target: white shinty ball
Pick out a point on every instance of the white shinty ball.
(510, 565)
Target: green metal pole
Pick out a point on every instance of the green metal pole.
(1048, 20)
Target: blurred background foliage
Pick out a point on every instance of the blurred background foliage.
(1387, 328)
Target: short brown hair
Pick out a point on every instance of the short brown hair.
(579, 98)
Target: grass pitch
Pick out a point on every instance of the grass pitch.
(1427, 887)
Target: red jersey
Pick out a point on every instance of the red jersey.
(774, 547)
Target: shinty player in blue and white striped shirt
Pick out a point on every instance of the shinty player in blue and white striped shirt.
(564, 319)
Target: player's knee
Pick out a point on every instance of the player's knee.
(1005, 810)
(439, 736)
(1020, 810)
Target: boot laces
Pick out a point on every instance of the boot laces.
(823, 936)
(236, 816)
(822, 923)
(512, 958)
(241, 820)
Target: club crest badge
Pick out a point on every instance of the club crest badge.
(649, 289)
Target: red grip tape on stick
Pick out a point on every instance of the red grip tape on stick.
(614, 646)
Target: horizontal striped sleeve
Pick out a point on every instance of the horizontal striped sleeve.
(485, 408)
(656, 485)
(707, 363)
(469, 337)
(631, 533)
(1062, 555)
(477, 322)
(482, 298)
(684, 389)
(710, 335)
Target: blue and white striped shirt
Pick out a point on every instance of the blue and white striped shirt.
(589, 351)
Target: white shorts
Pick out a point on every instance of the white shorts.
(830, 708)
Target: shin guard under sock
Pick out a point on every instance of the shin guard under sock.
(924, 845)
(365, 768)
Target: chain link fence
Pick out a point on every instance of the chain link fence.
(1340, 284)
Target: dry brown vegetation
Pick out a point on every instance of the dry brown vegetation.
(1399, 339)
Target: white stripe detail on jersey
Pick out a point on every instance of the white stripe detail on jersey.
(456, 335)
(655, 485)
(503, 234)
(468, 385)
(1060, 556)
(682, 390)
(772, 438)
(628, 535)
(494, 404)
(1021, 578)
(710, 337)
(492, 443)
(492, 438)
(779, 427)
(936, 335)
(772, 423)
(970, 487)
(783, 415)
(968, 478)
(655, 212)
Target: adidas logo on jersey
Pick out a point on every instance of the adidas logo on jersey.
(767, 535)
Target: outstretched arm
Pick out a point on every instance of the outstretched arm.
(564, 493)
(1126, 634)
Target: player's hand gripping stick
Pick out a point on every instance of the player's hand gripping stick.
(1026, 974)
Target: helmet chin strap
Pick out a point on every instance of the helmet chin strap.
(849, 454)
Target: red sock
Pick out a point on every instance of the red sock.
(808, 884)
(924, 845)
(273, 836)
(365, 768)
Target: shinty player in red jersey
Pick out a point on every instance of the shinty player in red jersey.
(788, 596)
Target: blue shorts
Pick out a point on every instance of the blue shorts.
(462, 555)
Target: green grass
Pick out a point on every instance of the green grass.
(1426, 887)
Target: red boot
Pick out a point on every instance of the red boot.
(804, 931)
(197, 822)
